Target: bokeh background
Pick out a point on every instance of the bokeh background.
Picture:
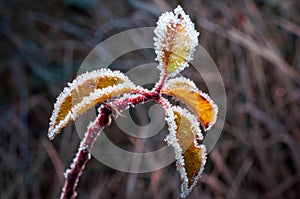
(255, 44)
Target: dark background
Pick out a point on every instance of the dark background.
(255, 45)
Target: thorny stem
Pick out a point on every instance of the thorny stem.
(84, 152)
(72, 175)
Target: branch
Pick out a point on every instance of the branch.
(84, 152)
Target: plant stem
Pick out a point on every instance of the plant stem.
(84, 152)
(161, 83)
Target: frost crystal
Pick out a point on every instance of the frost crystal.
(180, 82)
(172, 140)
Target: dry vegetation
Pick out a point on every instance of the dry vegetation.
(255, 44)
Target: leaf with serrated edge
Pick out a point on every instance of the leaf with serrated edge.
(84, 92)
(175, 41)
(199, 102)
(190, 156)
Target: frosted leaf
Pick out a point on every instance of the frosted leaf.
(84, 92)
(194, 161)
(199, 102)
(190, 156)
(180, 82)
(175, 41)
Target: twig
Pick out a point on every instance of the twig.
(287, 25)
(84, 153)
(55, 159)
(232, 192)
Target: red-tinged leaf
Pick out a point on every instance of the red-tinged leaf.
(199, 102)
(84, 92)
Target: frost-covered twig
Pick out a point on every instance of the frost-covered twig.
(84, 152)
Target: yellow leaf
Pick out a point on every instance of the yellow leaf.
(175, 41)
(190, 156)
(84, 92)
(199, 102)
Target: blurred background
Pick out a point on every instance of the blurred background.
(255, 44)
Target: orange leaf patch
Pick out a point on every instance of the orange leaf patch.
(199, 102)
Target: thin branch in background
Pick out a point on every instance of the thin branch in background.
(236, 183)
(287, 25)
(56, 161)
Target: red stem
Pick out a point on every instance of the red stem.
(161, 83)
(104, 117)
(83, 155)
